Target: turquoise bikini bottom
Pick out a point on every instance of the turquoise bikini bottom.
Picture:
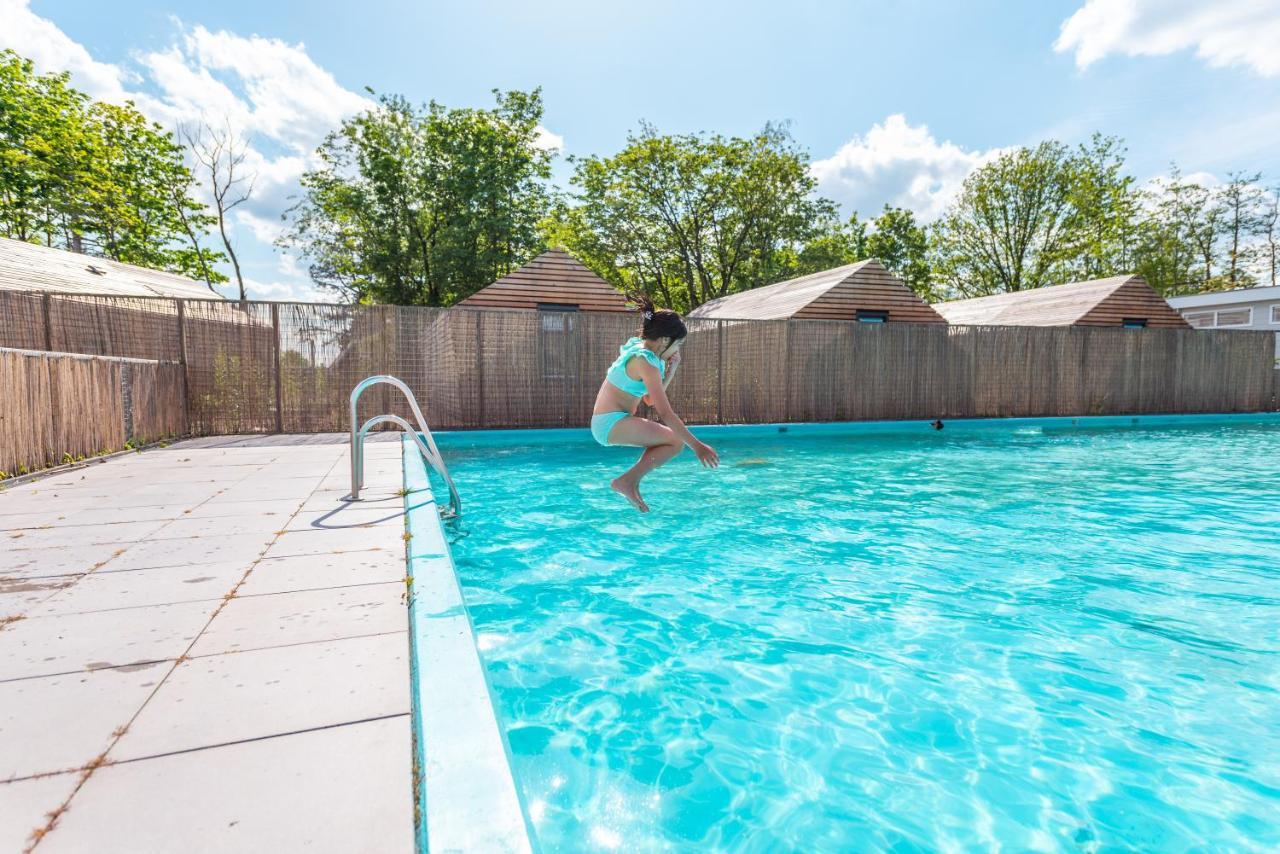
(601, 425)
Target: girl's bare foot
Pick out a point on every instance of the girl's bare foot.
(629, 491)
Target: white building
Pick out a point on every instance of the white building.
(1247, 308)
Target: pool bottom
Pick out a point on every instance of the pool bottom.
(1053, 636)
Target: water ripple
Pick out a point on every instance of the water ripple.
(1060, 640)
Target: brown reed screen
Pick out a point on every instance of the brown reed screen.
(60, 407)
(265, 367)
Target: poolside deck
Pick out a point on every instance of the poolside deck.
(210, 653)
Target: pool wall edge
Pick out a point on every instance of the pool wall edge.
(466, 798)
(480, 438)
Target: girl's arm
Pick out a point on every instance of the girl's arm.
(672, 364)
(657, 396)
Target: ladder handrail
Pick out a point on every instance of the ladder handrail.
(422, 438)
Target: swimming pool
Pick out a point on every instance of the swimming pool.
(1024, 633)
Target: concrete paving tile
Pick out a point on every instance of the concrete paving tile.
(117, 532)
(373, 498)
(57, 723)
(220, 699)
(140, 498)
(348, 515)
(41, 646)
(313, 572)
(60, 517)
(166, 585)
(235, 507)
(343, 790)
(325, 541)
(254, 622)
(23, 595)
(68, 560)
(243, 509)
(24, 807)
(258, 525)
(267, 488)
(191, 551)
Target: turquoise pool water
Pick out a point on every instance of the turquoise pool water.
(1025, 637)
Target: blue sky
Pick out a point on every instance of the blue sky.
(895, 102)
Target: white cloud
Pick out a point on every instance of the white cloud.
(52, 50)
(291, 291)
(898, 164)
(265, 90)
(1222, 32)
(286, 96)
(548, 141)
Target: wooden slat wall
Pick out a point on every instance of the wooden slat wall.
(55, 405)
(871, 287)
(1136, 299)
(552, 277)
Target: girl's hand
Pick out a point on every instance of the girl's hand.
(673, 359)
(706, 455)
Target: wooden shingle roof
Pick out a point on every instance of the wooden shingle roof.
(27, 267)
(1098, 302)
(554, 277)
(835, 294)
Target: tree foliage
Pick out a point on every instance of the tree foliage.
(902, 245)
(424, 206)
(693, 217)
(94, 177)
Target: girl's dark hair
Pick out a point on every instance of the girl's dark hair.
(657, 323)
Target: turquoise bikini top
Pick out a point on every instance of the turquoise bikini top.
(618, 370)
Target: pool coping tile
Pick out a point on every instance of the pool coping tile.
(467, 797)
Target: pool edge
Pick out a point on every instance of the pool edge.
(465, 795)
(499, 436)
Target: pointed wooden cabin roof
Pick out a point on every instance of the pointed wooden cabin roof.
(1098, 302)
(28, 267)
(834, 294)
(553, 278)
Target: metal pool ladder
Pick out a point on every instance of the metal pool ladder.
(421, 436)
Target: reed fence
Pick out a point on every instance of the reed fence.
(288, 367)
(60, 407)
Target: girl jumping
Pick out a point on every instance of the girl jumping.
(614, 422)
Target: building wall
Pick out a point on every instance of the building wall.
(1261, 315)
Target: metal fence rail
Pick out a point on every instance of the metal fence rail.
(289, 367)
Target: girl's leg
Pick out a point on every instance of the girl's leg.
(660, 443)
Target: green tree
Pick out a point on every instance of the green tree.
(1242, 201)
(1011, 225)
(424, 206)
(1105, 212)
(898, 242)
(835, 245)
(1167, 253)
(694, 217)
(94, 177)
(1039, 216)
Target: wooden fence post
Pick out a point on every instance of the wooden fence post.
(48, 323)
(479, 368)
(720, 372)
(182, 360)
(275, 356)
(787, 381)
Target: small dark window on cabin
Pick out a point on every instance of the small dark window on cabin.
(1135, 323)
(557, 345)
(872, 315)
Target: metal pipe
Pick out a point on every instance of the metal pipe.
(422, 438)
